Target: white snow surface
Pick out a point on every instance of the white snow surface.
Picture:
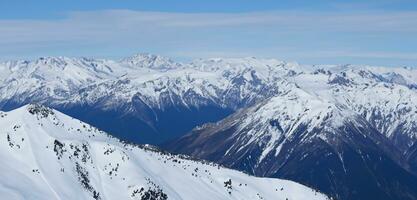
(48, 155)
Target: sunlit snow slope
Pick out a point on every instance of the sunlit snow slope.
(48, 155)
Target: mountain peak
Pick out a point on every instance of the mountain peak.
(54, 61)
(150, 61)
(40, 110)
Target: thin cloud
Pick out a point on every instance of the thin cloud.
(375, 55)
(79, 24)
(205, 33)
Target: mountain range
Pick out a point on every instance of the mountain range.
(348, 131)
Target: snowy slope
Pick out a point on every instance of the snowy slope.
(48, 155)
(388, 105)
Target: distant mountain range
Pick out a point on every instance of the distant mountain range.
(348, 131)
(139, 98)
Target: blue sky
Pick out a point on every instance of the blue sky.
(309, 32)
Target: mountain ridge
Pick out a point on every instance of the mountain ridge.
(211, 87)
(321, 146)
(47, 154)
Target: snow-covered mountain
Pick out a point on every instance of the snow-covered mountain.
(324, 127)
(147, 95)
(387, 104)
(299, 136)
(276, 109)
(48, 155)
(142, 94)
